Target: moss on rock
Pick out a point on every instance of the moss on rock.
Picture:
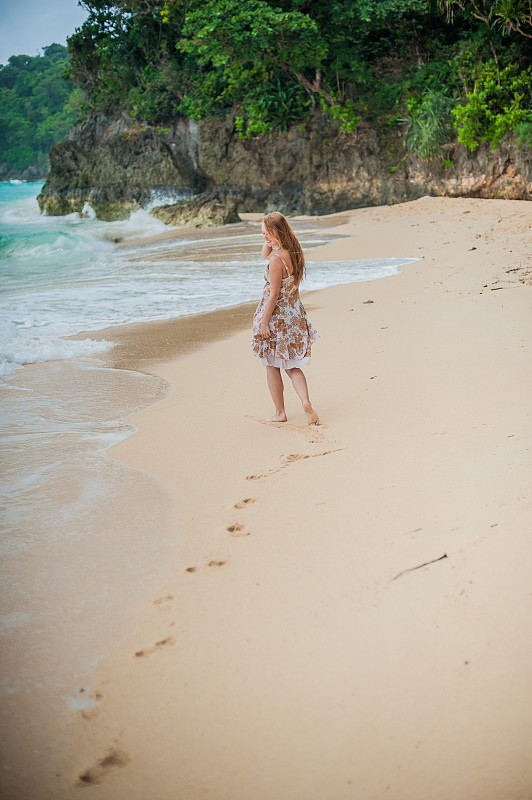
(202, 211)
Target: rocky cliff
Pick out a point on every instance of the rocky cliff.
(117, 165)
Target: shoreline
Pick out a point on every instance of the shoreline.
(291, 638)
(136, 345)
(139, 346)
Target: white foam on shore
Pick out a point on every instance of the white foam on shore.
(19, 346)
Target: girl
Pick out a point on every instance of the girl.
(282, 333)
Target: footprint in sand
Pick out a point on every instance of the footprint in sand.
(165, 599)
(310, 432)
(236, 529)
(92, 710)
(245, 502)
(289, 459)
(97, 696)
(212, 563)
(157, 646)
(113, 760)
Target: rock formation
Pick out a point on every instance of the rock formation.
(204, 171)
(201, 210)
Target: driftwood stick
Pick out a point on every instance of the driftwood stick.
(434, 560)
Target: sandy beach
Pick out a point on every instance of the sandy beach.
(347, 613)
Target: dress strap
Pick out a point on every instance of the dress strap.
(284, 263)
(286, 267)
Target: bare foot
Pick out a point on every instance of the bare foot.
(277, 418)
(312, 417)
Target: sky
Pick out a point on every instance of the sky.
(28, 25)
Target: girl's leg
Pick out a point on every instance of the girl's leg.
(275, 385)
(299, 383)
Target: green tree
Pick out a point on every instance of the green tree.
(124, 57)
(256, 52)
(37, 107)
(273, 62)
(500, 101)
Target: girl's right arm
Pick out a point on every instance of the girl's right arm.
(266, 250)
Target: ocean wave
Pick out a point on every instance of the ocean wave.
(54, 245)
(19, 346)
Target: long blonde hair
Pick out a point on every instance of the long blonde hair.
(277, 224)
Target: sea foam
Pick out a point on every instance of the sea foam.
(19, 345)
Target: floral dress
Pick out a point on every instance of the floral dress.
(291, 332)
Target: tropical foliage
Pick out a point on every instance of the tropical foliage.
(423, 72)
(438, 68)
(428, 124)
(499, 102)
(37, 107)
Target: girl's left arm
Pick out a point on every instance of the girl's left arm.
(276, 274)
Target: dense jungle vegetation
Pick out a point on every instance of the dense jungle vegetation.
(436, 70)
(37, 107)
(439, 68)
